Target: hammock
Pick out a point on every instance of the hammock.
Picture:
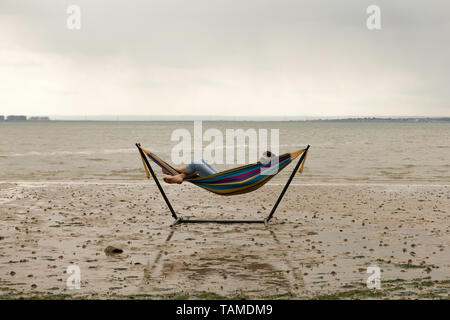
(238, 180)
(230, 182)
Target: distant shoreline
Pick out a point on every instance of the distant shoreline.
(15, 118)
(243, 119)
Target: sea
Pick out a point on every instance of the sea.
(341, 152)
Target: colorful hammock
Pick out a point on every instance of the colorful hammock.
(234, 181)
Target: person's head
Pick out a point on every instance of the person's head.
(267, 156)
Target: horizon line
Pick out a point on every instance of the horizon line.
(106, 117)
(138, 117)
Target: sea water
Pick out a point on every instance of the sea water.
(402, 152)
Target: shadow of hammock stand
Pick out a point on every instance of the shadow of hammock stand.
(179, 219)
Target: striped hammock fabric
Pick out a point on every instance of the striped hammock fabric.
(237, 180)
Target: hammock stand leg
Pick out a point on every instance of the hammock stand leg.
(179, 220)
(174, 215)
(286, 186)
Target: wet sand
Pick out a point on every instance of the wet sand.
(319, 244)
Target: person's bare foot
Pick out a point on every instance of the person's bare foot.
(174, 179)
(164, 170)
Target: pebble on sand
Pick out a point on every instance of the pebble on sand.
(110, 250)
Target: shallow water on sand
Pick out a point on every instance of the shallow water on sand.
(341, 152)
(319, 243)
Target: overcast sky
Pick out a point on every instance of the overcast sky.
(210, 57)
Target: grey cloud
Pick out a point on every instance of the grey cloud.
(267, 39)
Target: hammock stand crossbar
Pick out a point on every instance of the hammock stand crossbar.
(179, 219)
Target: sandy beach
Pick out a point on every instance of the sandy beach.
(319, 244)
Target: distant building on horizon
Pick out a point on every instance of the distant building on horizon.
(16, 118)
(2, 118)
(39, 118)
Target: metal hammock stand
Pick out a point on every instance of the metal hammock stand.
(179, 219)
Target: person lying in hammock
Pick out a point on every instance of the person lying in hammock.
(201, 168)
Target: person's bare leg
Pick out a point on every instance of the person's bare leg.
(179, 178)
(180, 170)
